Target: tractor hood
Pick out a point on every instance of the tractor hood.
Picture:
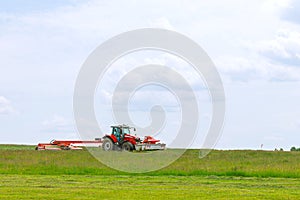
(128, 137)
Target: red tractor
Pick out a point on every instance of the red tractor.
(121, 139)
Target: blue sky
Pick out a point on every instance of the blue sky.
(255, 46)
(29, 6)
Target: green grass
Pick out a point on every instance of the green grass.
(16, 147)
(220, 163)
(145, 187)
(29, 174)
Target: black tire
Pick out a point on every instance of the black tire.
(127, 146)
(65, 148)
(107, 145)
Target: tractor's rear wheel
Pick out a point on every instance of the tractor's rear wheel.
(107, 144)
(127, 146)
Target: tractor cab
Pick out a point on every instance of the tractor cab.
(120, 132)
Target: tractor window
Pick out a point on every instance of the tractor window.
(117, 132)
(126, 131)
(114, 131)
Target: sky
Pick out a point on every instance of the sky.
(255, 46)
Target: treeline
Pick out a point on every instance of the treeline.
(295, 149)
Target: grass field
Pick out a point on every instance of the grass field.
(29, 174)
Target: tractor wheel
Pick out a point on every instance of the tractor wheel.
(127, 146)
(107, 145)
(65, 148)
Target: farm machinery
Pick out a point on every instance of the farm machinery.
(68, 144)
(122, 139)
(119, 139)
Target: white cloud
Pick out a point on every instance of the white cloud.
(272, 59)
(284, 47)
(161, 22)
(58, 124)
(6, 107)
(298, 124)
(215, 24)
(275, 5)
(255, 68)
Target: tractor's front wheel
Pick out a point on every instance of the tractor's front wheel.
(107, 145)
(127, 146)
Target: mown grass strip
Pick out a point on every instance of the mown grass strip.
(25, 187)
